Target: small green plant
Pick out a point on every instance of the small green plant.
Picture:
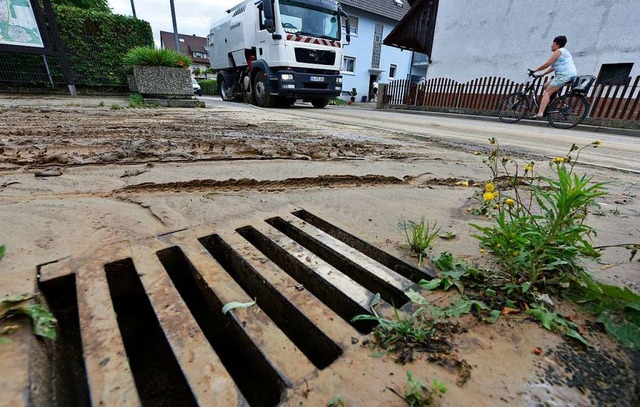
(337, 102)
(418, 395)
(156, 57)
(101, 104)
(419, 236)
(44, 324)
(354, 92)
(136, 101)
(337, 401)
(115, 107)
(415, 328)
(2, 250)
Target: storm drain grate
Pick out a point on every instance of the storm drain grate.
(143, 323)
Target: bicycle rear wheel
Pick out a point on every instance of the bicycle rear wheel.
(568, 111)
(513, 108)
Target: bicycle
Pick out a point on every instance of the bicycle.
(563, 112)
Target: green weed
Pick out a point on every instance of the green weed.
(337, 401)
(44, 324)
(417, 394)
(419, 236)
(101, 104)
(115, 107)
(137, 101)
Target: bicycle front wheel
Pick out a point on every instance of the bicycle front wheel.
(568, 111)
(513, 108)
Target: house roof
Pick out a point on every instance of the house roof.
(417, 29)
(385, 8)
(188, 45)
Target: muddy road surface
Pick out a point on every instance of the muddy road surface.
(140, 224)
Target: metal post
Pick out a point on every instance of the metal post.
(133, 8)
(62, 53)
(46, 66)
(175, 27)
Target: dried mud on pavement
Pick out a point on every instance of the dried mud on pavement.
(79, 179)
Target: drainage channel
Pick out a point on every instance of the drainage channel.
(159, 303)
(317, 346)
(155, 369)
(257, 379)
(69, 374)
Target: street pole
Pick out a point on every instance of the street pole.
(133, 8)
(175, 27)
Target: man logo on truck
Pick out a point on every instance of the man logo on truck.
(294, 46)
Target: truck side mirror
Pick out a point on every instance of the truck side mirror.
(268, 16)
(269, 25)
(348, 28)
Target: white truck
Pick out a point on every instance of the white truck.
(272, 52)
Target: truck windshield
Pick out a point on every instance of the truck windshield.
(300, 18)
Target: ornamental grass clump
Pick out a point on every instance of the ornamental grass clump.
(150, 56)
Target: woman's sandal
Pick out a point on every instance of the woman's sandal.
(537, 117)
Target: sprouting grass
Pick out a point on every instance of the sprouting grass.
(417, 394)
(419, 236)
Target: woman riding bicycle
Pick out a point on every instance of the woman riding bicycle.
(561, 63)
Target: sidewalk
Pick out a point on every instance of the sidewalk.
(528, 122)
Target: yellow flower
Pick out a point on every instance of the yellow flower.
(489, 187)
(528, 167)
(487, 196)
(482, 251)
(463, 183)
(496, 206)
(557, 160)
(597, 143)
(498, 246)
(476, 153)
(509, 202)
(516, 254)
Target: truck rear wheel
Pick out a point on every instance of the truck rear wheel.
(261, 90)
(319, 103)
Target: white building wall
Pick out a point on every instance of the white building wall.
(361, 48)
(477, 38)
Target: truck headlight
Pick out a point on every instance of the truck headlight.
(339, 79)
(286, 76)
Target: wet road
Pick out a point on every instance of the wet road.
(616, 151)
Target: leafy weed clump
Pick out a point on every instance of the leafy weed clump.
(418, 395)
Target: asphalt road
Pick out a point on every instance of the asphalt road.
(616, 151)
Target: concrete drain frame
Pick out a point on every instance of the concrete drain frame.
(142, 323)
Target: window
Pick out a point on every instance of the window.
(348, 64)
(614, 74)
(392, 71)
(354, 25)
(199, 55)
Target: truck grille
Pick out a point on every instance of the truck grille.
(314, 56)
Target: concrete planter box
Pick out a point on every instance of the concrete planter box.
(161, 81)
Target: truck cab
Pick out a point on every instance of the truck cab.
(272, 52)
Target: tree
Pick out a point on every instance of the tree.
(97, 5)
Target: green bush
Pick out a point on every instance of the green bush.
(209, 86)
(96, 42)
(156, 57)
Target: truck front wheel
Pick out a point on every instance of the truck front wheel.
(261, 92)
(224, 89)
(319, 103)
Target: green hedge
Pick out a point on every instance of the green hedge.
(209, 86)
(97, 41)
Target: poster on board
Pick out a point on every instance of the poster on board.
(20, 25)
